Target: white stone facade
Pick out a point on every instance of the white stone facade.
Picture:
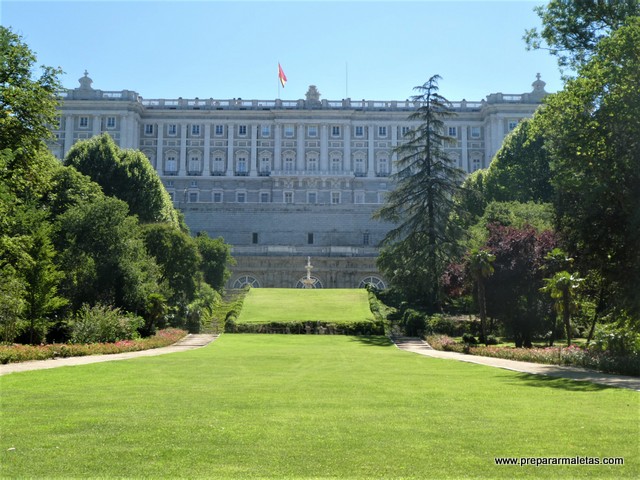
(281, 180)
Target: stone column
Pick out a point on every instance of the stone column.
(253, 161)
(206, 160)
(277, 147)
(68, 133)
(159, 149)
(394, 144)
(464, 158)
(371, 166)
(324, 148)
(182, 166)
(230, 128)
(346, 164)
(97, 125)
(300, 148)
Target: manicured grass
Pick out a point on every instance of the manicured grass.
(264, 305)
(307, 406)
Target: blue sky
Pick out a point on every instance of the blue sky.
(373, 50)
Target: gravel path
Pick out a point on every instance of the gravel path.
(189, 342)
(419, 346)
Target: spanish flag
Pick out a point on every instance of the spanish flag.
(281, 75)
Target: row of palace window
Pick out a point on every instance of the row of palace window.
(265, 130)
(288, 196)
(242, 164)
(311, 238)
(289, 130)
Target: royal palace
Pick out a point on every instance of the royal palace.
(283, 180)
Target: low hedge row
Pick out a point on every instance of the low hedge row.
(22, 353)
(364, 327)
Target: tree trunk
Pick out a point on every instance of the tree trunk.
(566, 315)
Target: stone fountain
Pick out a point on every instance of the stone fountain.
(308, 282)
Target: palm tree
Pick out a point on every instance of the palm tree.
(561, 287)
(480, 266)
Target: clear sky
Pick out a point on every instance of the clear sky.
(373, 50)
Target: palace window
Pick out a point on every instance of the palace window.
(111, 122)
(453, 131)
(289, 131)
(264, 197)
(219, 130)
(193, 197)
(405, 131)
(241, 166)
(266, 131)
(265, 165)
(288, 197)
(217, 197)
(194, 163)
(241, 197)
(148, 129)
(312, 131)
(218, 164)
(310, 238)
(312, 198)
(254, 238)
(358, 197)
(335, 131)
(242, 130)
(359, 131)
(195, 130)
(335, 198)
(336, 164)
(475, 132)
(84, 122)
(172, 129)
(382, 131)
(513, 124)
(171, 164)
(288, 164)
(312, 164)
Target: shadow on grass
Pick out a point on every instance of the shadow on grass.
(372, 340)
(545, 381)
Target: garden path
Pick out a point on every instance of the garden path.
(416, 345)
(189, 342)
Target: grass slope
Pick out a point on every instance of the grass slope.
(264, 305)
(283, 406)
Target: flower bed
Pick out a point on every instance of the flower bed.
(571, 356)
(22, 353)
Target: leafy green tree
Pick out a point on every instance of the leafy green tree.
(104, 257)
(520, 169)
(177, 255)
(12, 304)
(124, 174)
(69, 188)
(422, 201)
(572, 29)
(216, 256)
(591, 130)
(27, 110)
(481, 267)
(42, 277)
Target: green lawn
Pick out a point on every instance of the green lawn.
(264, 305)
(307, 406)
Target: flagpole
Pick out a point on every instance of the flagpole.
(278, 80)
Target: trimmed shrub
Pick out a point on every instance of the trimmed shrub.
(102, 323)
